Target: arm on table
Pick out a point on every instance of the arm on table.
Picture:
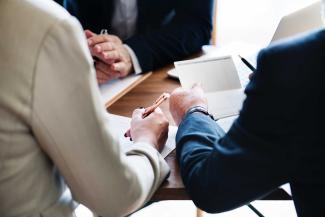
(224, 171)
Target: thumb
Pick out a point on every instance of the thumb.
(198, 87)
(137, 114)
(89, 33)
(158, 110)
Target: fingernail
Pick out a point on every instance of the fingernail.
(89, 42)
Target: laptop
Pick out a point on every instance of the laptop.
(303, 20)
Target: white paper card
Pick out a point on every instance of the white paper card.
(114, 89)
(225, 103)
(215, 74)
(226, 123)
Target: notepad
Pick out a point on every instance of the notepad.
(220, 81)
(120, 124)
(215, 74)
(115, 89)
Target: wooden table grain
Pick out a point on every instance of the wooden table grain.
(144, 95)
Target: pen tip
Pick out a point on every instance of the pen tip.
(239, 56)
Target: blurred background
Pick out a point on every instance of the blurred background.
(252, 21)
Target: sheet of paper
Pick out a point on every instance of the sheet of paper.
(120, 124)
(225, 103)
(226, 123)
(215, 74)
(249, 51)
(116, 88)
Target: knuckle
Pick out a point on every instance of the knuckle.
(105, 37)
(177, 92)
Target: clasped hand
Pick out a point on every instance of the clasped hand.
(112, 59)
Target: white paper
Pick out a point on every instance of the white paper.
(115, 87)
(120, 124)
(226, 123)
(213, 74)
(225, 103)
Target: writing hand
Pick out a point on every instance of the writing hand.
(152, 130)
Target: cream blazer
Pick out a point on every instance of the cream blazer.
(53, 129)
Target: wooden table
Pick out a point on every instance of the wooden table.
(144, 95)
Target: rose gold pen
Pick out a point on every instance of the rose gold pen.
(151, 109)
(155, 105)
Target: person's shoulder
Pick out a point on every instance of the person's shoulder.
(286, 63)
(298, 45)
(39, 13)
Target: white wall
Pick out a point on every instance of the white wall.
(252, 21)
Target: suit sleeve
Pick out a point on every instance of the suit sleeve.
(70, 124)
(186, 33)
(224, 171)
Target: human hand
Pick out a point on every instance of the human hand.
(114, 59)
(105, 72)
(182, 100)
(152, 130)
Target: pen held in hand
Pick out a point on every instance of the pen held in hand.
(150, 109)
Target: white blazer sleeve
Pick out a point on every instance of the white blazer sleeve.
(68, 121)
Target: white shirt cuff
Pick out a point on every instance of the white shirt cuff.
(135, 61)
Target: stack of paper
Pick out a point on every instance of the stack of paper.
(115, 89)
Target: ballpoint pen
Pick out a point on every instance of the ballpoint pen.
(250, 66)
(151, 109)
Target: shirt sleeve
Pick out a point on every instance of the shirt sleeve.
(68, 122)
(135, 61)
(224, 171)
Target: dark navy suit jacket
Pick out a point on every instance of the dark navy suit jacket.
(277, 138)
(168, 30)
